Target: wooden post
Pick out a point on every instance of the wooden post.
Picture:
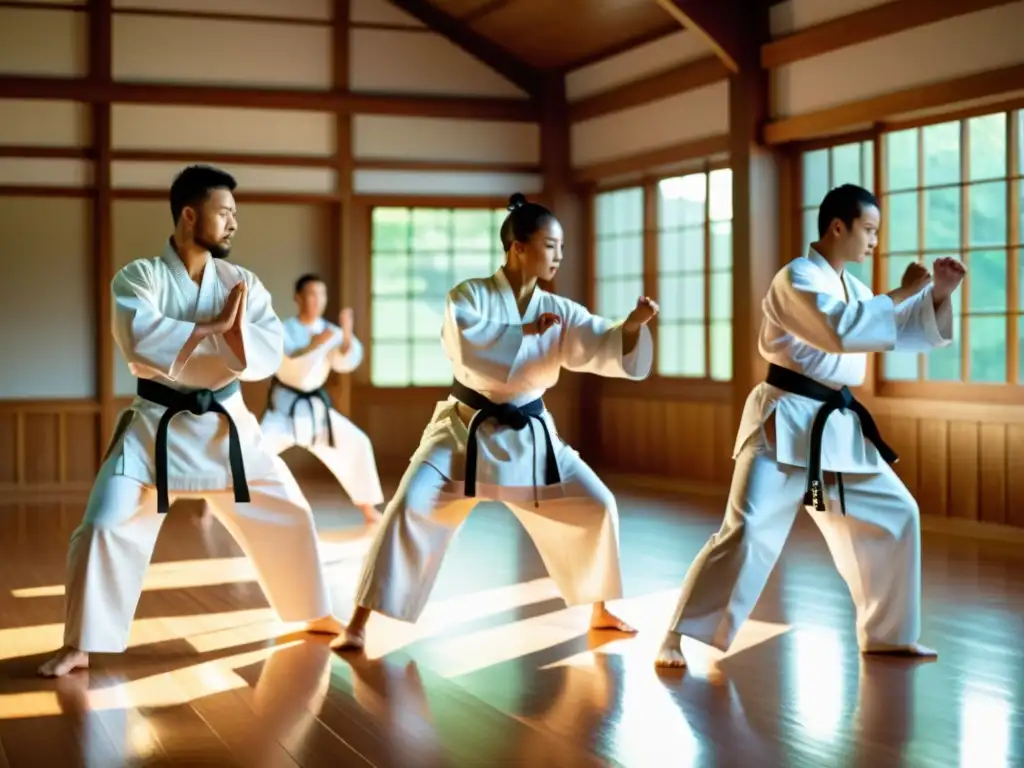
(757, 213)
(100, 17)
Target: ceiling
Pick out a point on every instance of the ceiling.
(561, 34)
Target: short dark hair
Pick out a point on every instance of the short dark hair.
(523, 220)
(303, 281)
(194, 184)
(845, 203)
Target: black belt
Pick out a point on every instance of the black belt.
(832, 400)
(516, 417)
(199, 401)
(306, 397)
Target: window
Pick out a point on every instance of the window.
(695, 275)
(619, 250)
(949, 190)
(691, 238)
(418, 255)
(825, 169)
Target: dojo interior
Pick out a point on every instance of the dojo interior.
(684, 146)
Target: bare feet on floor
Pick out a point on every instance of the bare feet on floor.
(914, 649)
(328, 625)
(354, 636)
(370, 513)
(670, 655)
(65, 660)
(602, 618)
(350, 640)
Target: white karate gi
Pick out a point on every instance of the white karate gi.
(810, 326)
(574, 524)
(351, 460)
(155, 307)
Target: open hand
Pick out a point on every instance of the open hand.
(948, 275)
(228, 316)
(646, 309)
(235, 328)
(542, 324)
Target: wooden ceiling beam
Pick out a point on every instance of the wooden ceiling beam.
(90, 91)
(722, 23)
(494, 56)
(660, 85)
(869, 24)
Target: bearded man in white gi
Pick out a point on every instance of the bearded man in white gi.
(191, 326)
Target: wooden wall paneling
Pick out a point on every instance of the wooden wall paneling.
(934, 462)
(963, 470)
(993, 473)
(48, 445)
(1014, 475)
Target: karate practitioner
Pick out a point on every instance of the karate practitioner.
(819, 324)
(492, 439)
(191, 325)
(299, 410)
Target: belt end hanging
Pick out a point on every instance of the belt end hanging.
(815, 496)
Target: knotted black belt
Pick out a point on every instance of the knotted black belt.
(516, 417)
(306, 397)
(199, 401)
(832, 400)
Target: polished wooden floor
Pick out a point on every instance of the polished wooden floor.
(498, 672)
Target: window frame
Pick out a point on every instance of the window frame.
(1006, 392)
(364, 207)
(702, 388)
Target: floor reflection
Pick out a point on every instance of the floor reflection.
(499, 671)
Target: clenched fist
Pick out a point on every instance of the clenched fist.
(542, 324)
(948, 275)
(646, 309)
(915, 278)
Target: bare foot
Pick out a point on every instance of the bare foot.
(328, 625)
(670, 655)
(370, 513)
(914, 649)
(350, 640)
(602, 618)
(66, 660)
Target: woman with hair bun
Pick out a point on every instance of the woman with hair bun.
(493, 439)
